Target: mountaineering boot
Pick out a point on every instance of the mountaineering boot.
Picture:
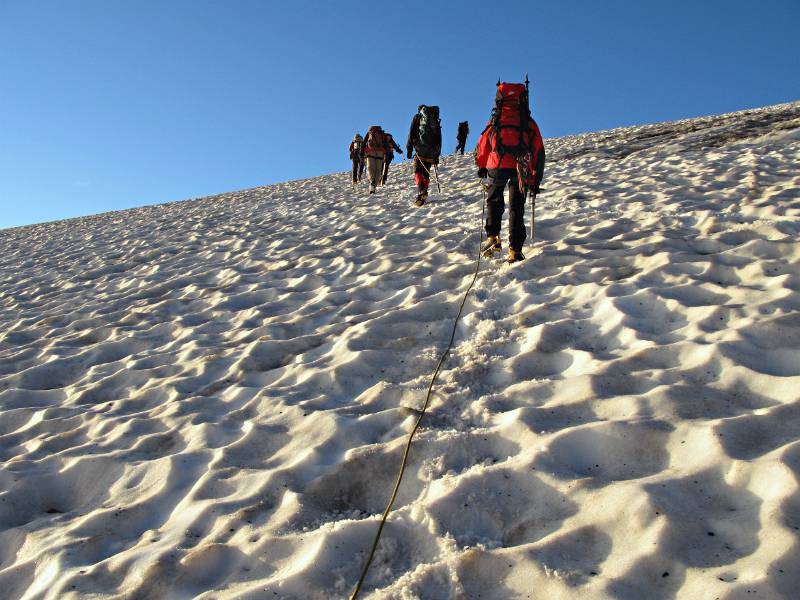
(515, 256)
(371, 189)
(491, 246)
(421, 197)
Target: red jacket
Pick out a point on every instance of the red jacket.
(487, 158)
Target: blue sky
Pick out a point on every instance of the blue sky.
(107, 104)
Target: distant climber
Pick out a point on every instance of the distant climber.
(424, 138)
(391, 148)
(374, 152)
(510, 150)
(461, 136)
(356, 149)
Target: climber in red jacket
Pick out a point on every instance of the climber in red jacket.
(510, 151)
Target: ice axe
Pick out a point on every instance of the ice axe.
(533, 194)
(533, 213)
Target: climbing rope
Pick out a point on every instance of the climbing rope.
(417, 159)
(424, 408)
(435, 172)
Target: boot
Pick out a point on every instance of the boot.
(491, 246)
(371, 188)
(421, 197)
(515, 256)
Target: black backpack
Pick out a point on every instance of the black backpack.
(430, 132)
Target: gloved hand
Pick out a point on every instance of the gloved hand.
(408, 154)
(483, 173)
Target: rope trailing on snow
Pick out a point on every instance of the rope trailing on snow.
(424, 409)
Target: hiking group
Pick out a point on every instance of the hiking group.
(376, 149)
(510, 152)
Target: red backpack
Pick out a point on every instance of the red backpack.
(376, 141)
(510, 120)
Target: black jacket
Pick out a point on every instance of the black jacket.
(414, 142)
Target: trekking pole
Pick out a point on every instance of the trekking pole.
(436, 175)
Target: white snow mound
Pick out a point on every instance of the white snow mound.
(209, 399)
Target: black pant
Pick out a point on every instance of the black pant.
(461, 145)
(495, 204)
(358, 169)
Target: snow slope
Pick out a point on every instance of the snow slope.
(209, 398)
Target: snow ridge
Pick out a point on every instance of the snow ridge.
(209, 399)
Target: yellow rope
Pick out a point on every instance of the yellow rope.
(421, 414)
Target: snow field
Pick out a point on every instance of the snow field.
(209, 399)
